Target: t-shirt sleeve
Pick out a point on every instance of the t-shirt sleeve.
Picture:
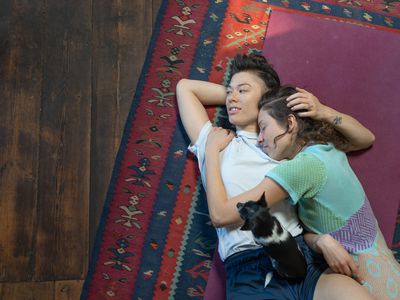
(199, 147)
(301, 177)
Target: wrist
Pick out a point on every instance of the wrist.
(334, 117)
(328, 114)
(211, 151)
(317, 244)
(212, 157)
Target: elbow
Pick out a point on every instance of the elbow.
(368, 142)
(363, 144)
(217, 222)
(371, 139)
(216, 225)
(182, 87)
(182, 84)
(217, 216)
(221, 210)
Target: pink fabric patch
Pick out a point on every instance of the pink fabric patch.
(355, 70)
(360, 230)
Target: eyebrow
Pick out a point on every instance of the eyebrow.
(240, 85)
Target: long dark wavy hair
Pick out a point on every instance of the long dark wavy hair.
(310, 131)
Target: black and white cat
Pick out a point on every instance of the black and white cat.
(288, 260)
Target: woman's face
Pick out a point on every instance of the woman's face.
(281, 148)
(243, 94)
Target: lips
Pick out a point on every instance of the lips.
(233, 110)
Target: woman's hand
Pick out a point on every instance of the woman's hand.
(358, 136)
(218, 139)
(303, 100)
(338, 259)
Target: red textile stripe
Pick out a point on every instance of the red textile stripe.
(176, 231)
(150, 134)
(235, 37)
(243, 30)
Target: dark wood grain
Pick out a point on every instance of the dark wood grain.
(68, 289)
(27, 291)
(68, 75)
(64, 156)
(20, 94)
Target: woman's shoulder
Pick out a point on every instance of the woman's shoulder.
(306, 160)
(322, 149)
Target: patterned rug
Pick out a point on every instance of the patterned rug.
(155, 240)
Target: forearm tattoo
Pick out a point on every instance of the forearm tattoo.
(337, 120)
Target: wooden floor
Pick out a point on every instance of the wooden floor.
(68, 72)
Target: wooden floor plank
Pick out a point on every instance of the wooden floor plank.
(27, 291)
(62, 241)
(20, 93)
(68, 289)
(51, 163)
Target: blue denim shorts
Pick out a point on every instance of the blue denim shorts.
(246, 271)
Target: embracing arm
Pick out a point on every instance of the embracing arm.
(222, 210)
(358, 136)
(192, 97)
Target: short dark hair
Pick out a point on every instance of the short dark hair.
(259, 65)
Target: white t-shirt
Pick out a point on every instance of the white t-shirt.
(243, 166)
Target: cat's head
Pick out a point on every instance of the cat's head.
(252, 211)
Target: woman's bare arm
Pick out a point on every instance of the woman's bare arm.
(337, 258)
(358, 136)
(192, 97)
(223, 211)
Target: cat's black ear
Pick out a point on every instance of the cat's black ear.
(262, 201)
(246, 225)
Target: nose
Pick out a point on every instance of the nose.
(260, 138)
(233, 96)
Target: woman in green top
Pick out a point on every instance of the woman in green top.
(318, 178)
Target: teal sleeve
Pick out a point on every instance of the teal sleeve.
(301, 177)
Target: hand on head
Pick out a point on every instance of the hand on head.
(307, 103)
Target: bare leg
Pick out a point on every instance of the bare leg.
(332, 286)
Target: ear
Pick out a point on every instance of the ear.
(246, 225)
(239, 206)
(262, 201)
(291, 123)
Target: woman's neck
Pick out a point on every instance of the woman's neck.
(248, 128)
(297, 148)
